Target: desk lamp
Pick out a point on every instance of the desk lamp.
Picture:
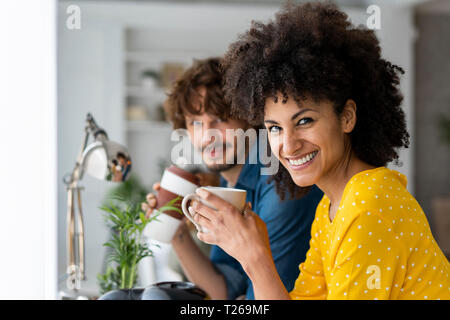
(104, 160)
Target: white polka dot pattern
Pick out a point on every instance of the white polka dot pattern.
(379, 247)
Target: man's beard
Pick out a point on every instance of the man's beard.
(219, 167)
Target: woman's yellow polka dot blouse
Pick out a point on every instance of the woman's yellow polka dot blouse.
(378, 246)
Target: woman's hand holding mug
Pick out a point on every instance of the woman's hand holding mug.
(234, 229)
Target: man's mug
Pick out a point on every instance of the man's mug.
(236, 197)
(175, 183)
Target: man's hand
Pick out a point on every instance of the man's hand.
(149, 206)
(151, 203)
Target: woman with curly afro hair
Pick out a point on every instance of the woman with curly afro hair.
(331, 106)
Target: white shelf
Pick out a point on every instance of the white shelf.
(142, 92)
(147, 126)
(159, 57)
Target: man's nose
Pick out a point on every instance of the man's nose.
(207, 138)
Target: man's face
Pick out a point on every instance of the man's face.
(208, 134)
(122, 161)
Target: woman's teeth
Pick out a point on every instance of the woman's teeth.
(299, 162)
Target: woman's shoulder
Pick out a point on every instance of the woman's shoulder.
(378, 183)
(377, 176)
(381, 192)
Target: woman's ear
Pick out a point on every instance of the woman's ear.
(348, 116)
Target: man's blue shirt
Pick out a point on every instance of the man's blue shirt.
(288, 224)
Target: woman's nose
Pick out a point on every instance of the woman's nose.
(291, 144)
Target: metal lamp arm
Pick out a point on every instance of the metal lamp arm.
(115, 154)
(76, 262)
(99, 134)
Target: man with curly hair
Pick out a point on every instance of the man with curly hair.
(196, 103)
(331, 105)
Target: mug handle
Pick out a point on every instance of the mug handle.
(186, 212)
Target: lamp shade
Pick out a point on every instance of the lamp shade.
(107, 160)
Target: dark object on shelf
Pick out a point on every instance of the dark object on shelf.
(178, 290)
(173, 290)
(123, 294)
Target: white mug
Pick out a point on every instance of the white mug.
(236, 197)
(175, 183)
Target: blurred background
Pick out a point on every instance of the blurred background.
(117, 59)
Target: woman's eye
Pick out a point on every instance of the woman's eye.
(304, 121)
(274, 129)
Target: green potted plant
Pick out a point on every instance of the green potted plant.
(122, 216)
(126, 220)
(127, 249)
(131, 191)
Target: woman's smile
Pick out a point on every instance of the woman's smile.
(302, 161)
(309, 138)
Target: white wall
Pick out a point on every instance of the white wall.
(397, 36)
(28, 150)
(89, 80)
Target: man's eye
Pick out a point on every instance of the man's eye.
(304, 121)
(274, 129)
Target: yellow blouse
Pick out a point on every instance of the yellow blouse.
(378, 246)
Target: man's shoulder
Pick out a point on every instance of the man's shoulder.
(267, 193)
(267, 185)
